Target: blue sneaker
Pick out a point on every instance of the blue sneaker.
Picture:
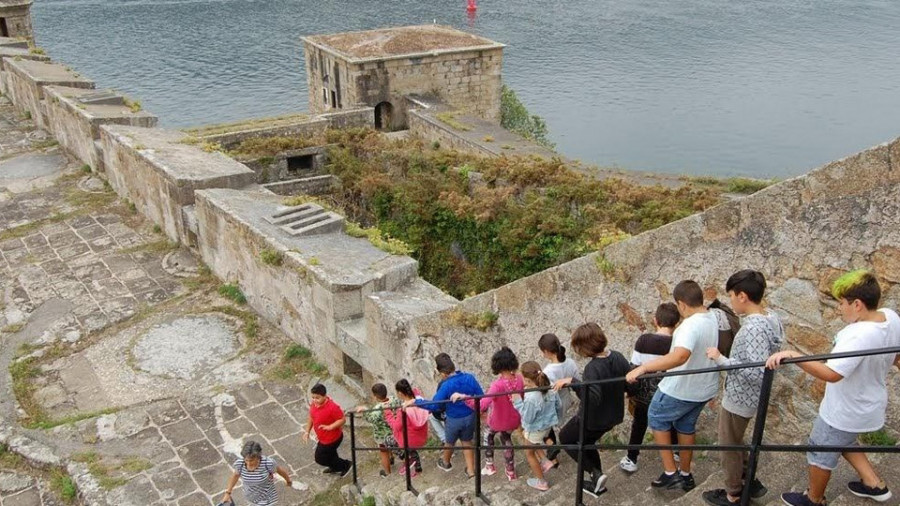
(799, 499)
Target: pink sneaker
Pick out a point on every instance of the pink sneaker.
(541, 485)
(511, 475)
(489, 470)
(547, 465)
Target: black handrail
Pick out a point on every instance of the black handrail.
(754, 448)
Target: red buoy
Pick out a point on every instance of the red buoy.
(472, 7)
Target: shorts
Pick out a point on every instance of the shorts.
(537, 437)
(459, 429)
(825, 435)
(388, 443)
(667, 412)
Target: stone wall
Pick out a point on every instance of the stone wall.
(432, 130)
(801, 233)
(25, 82)
(315, 185)
(159, 174)
(14, 51)
(75, 119)
(357, 117)
(18, 18)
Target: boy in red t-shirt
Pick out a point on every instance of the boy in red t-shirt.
(327, 418)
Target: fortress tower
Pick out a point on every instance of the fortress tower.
(15, 19)
(380, 68)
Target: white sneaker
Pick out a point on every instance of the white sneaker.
(628, 465)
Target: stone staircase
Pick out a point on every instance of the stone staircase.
(780, 472)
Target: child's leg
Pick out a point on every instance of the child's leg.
(385, 460)
(414, 459)
(818, 481)
(488, 444)
(551, 440)
(534, 463)
(686, 455)
(508, 455)
(469, 454)
(864, 469)
(662, 437)
(638, 429)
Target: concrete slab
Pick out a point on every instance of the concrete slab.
(164, 351)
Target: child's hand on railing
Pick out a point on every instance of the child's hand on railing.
(562, 383)
(360, 409)
(634, 374)
(713, 353)
(775, 360)
(458, 397)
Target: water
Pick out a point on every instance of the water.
(724, 87)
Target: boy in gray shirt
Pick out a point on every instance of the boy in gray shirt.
(760, 336)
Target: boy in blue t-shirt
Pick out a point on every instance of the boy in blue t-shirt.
(460, 424)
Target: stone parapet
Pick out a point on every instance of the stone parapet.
(74, 115)
(16, 50)
(159, 173)
(25, 81)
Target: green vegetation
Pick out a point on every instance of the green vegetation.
(86, 169)
(368, 501)
(13, 328)
(224, 128)
(515, 117)
(271, 257)
(271, 146)
(449, 119)
(747, 186)
(62, 484)
(479, 321)
(488, 138)
(297, 360)
(101, 471)
(233, 292)
(524, 216)
(26, 115)
(134, 105)
(249, 319)
(379, 239)
(878, 438)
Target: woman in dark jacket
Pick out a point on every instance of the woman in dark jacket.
(604, 405)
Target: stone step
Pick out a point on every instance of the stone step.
(307, 219)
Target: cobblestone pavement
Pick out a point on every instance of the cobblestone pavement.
(127, 363)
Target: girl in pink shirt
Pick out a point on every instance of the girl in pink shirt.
(503, 418)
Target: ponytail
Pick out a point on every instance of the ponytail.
(533, 372)
(403, 387)
(550, 343)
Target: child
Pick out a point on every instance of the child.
(855, 392)
(760, 335)
(503, 418)
(327, 419)
(416, 426)
(647, 348)
(381, 431)
(540, 412)
(679, 400)
(460, 424)
(604, 404)
(557, 368)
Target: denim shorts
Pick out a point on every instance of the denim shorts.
(825, 435)
(459, 429)
(666, 412)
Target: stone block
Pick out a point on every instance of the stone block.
(26, 80)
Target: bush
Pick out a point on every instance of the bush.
(515, 117)
(878, 438)
(271, 257)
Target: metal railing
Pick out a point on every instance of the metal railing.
(754, 448)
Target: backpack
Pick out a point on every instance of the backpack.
(729, 325)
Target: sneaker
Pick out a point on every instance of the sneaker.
(799, 499)
(628, 465)
(718, 498)
(546, 465)
(757, 489)
(595, 486)
(413, 473)
(402, 471)
(667, 481)
(511, 475)
(489, 470)
(419, 467)
(345, 471)
(382, 473)
(469, 476)
(860, 489)
(444, 466)
(687, 482)
(541, 485)
(329, 470)
(552, 454)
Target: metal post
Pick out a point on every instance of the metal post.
(353, 448)
(759, 427)
(477, 442)
(582, 428)
(409, 486)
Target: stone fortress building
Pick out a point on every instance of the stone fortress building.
(365, 312)
(381, 68)
(15, 19)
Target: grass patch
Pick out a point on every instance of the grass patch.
(224, 128)
(68, 420)
(449, 119)
(101, 471)
(482, 321)
(606, 267)
(378, 239)
(328, 497)
(488, 138)
(271, 257)
(135, 465)
(30, 228)
(233, 292)
(610, 439)
(249, 320)
(13, 328)
(878, 438)
(63, 485)
(37, 50)
(204, 279)
(272, 146)
(86, 169)
(747, 186)
(296, 360)
(48, 143)
(134, 105)
(368, 501)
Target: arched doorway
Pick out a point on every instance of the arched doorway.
(383, 116)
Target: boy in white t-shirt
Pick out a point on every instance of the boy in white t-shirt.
(855, 392)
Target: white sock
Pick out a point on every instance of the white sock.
(685, 474)
(670, 474)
